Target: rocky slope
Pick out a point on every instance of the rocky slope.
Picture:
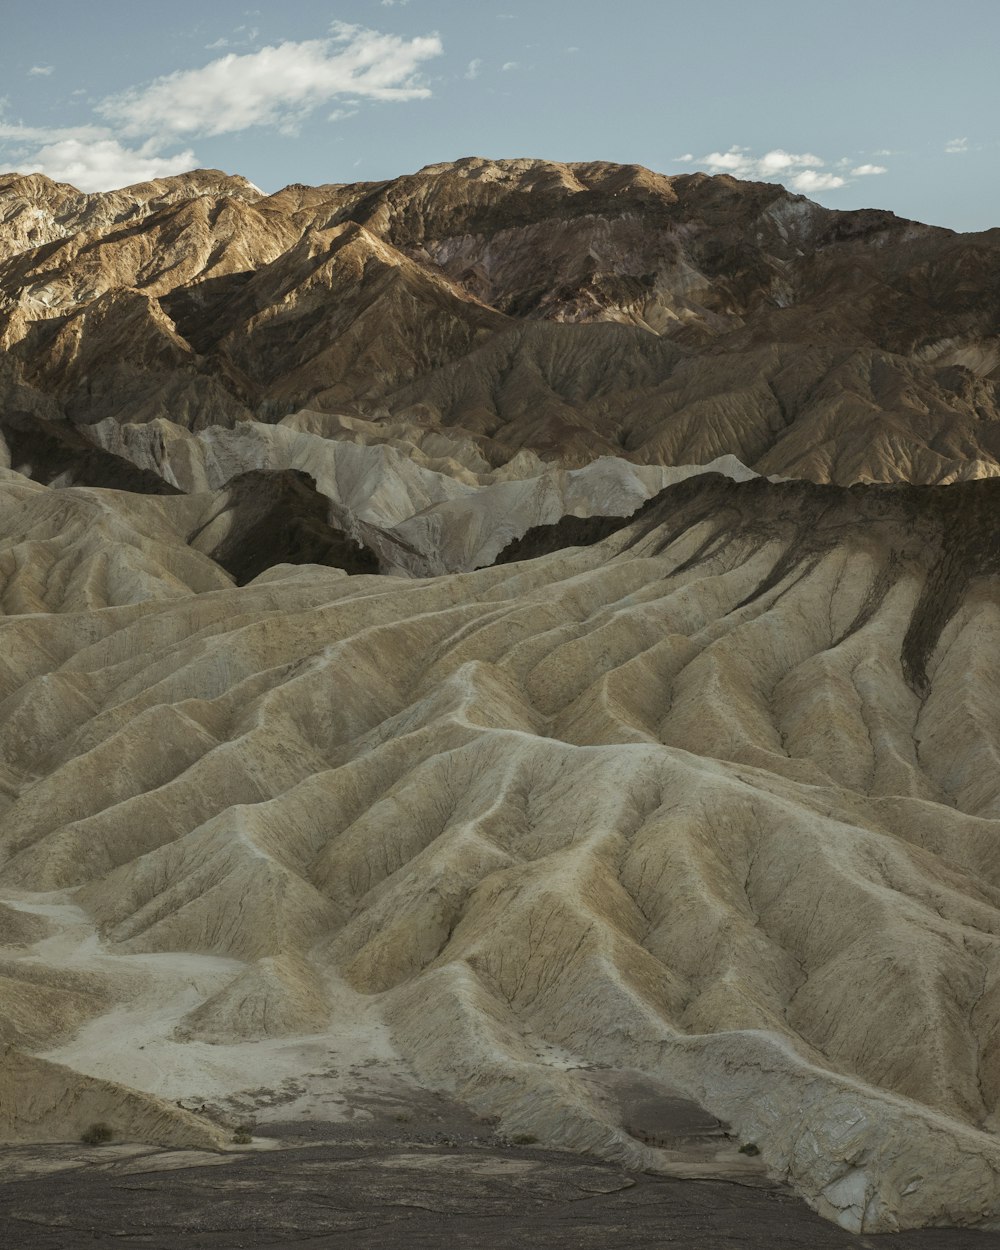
(710, 799)
(571, 310)
(423, 652)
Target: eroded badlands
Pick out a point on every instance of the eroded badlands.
(712, 801)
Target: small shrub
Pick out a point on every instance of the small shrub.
(524, 1139)
(749, 1148)
(97, 1134)
(243, 1135)
(403, 1117)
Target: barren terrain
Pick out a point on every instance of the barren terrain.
(416, 682)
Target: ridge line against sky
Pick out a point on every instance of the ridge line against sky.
(850, 114)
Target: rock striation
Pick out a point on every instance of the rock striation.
(527, 629)
(574, 311)
(708, 795)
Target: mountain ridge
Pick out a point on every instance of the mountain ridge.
(574, 310)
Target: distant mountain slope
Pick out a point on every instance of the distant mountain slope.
(571, 310)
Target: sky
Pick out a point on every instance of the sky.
(862, 103)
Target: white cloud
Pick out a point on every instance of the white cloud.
(810, 180)
(17, 133)
(509, 65)
(276, 86)
(778, 160)
(572, 48)
(863, 171)
(101, 164)
(40, 71)
(685, 159)
(475, 65)
(740, 162)
(242, 35)
(802, 171)
(956, 145)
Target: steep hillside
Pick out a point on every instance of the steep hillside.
(571, 310)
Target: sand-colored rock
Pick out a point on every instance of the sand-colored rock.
(42, 1101)
(421, 513)
(709, 796)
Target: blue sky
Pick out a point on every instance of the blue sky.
(884, 103)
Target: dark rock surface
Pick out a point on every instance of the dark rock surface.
(405, 1194)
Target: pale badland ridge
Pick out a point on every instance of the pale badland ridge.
(405, 659)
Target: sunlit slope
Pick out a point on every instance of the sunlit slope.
(571, 311)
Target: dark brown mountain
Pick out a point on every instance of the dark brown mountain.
(574, 310)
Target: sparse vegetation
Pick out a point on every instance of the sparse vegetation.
(243, 1135)
(749, 1148)
(98, 1134)
(524, 1139)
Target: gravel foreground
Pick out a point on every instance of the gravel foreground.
(424, 1190)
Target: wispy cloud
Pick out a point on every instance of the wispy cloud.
(277, 86)
(509, 65)
(801, 171)
(954, 146)
(18, 133)
(40, 71)
(475, 65)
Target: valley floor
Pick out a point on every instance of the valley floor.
(393, 1187)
